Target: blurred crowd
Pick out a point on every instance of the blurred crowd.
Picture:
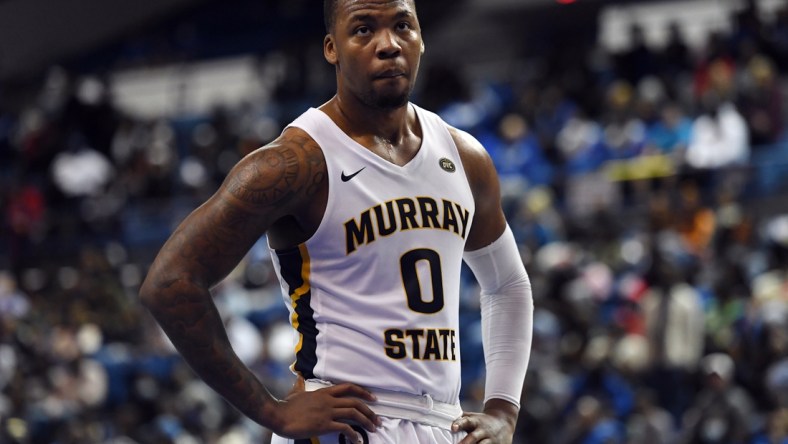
(646, 189)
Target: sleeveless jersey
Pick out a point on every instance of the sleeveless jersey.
(374, 293)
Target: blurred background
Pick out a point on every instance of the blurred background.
(643, 158)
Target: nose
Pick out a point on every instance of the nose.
(388, 45)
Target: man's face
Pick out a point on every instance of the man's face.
(376, 46)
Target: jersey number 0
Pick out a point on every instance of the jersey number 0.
(410, 278)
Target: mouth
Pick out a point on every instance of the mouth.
(390, 74)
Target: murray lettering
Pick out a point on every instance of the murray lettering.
(402, 214)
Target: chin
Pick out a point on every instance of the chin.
(392, 103)
(389, 101)
(386, 97)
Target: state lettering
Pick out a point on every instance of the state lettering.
(428, 344)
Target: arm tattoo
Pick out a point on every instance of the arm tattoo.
(216, 242)
(286, 174)
(280, 173)
(251, 184)
(193, 324)
(210, 242)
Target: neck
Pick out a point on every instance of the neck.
(387, 125)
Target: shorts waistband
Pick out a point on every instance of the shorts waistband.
(421, 409)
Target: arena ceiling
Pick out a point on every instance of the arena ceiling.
(37, 33)
(33, 33)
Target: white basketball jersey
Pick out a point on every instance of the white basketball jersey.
(374, 293)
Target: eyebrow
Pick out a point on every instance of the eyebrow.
(401, 14)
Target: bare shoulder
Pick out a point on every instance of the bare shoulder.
(489, 221)
(471, 150)
(476, 161)
(279, 176)
(273, 183)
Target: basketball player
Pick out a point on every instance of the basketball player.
(370, 204)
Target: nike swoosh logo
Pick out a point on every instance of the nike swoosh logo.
(345, 178)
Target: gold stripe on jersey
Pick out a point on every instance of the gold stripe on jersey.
(299, 292)
(296, 268)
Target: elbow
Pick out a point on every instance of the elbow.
(160, 291)
(147, 294)
(153, 291)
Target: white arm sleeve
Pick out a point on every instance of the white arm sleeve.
(507, 316)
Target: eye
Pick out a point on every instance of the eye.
(403, 26)
(362, 31)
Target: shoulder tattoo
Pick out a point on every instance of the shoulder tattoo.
(279, 172)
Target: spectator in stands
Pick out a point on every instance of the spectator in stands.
(775, 430)
(760, 102)
(715, 68)
(24, 221)
(637, 61)
(517, 155)
(624, 131)
(777, 36)
(675, 58)
(719, 135)
(721, 411)
(579, 145)
(670, 135)
(672, 309)
(650, 423)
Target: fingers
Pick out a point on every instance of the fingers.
(469, 439)
(481, 429)
(299, 385)
(348, 389)
(349, 433)
(356, 416)
(470, 424)
(346, 405)
(354, 409)
(465, 422)
(475, 437)
(332, 409)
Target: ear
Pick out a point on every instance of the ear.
(423, 48)
(330, 50)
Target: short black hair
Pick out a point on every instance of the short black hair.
(329, 14)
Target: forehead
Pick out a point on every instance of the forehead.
(349, 8)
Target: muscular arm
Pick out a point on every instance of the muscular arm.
(280, 181)
(488, 221)
(506, 299)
